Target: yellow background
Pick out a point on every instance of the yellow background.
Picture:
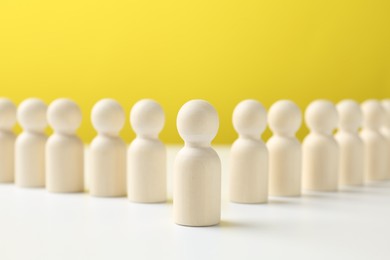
(175, 50)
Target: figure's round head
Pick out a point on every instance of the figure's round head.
(250, 118)
(7, 114)
(350, 115)
(386, 108)
(197, 122)
(284, 117)
(108, 117)
(64, 116)
(373, 114)
(32, 115)
(147, 118)
(321, 116)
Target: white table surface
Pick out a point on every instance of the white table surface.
(353, 223)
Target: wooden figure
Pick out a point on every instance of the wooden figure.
(146, 172)
(197, 167)
(375, 145)
(320, 149)
(248, 182)
(7, 140)
(30, 145)
(64, 150)
(385, 131)
(350, 144)
(107, 158)
(285, 155)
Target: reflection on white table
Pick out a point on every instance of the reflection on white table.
(353, 223)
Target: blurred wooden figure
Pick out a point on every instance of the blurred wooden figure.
(30, 145)
(248, 182)
(64, 150)
(385, 130)
(147, 176)
(375, 144)
(107, 152)
(285, 155)
(320, 149)
(7, 140)
(351, 171)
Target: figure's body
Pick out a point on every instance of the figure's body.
(147, 171)
(285, 167)
(197, 188)
(350, 144)
(64, 149)
(7, 140)
(319, 149)
(147, 154)
(197, 167)
(375, 144)
(248, 176)
(107, 158)
(30, 145)
(321, 158)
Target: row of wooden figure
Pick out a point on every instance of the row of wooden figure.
(359, 152)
